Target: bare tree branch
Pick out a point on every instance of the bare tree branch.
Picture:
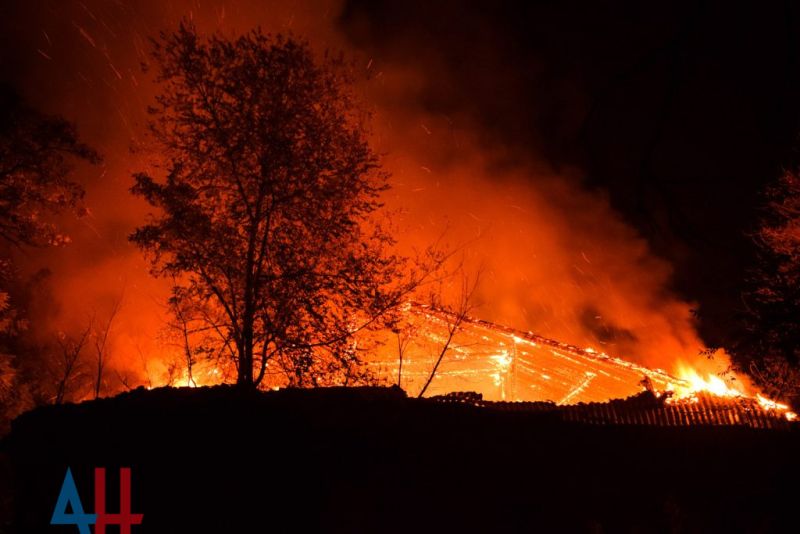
(457, 315)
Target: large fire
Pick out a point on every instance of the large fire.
(694, 383)
(558, 258)
(504, 364)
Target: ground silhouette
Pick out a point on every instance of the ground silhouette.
(224, 459)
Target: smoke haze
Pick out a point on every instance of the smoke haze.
(558, 259)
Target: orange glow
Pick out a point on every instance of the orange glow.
(558, 260)
(772, 405)
(694, 383)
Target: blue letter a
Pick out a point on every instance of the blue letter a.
(69, 496)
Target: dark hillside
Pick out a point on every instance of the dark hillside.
(371, 460)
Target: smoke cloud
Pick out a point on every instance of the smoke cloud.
(557, 258)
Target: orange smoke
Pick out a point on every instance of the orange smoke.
(557, 259)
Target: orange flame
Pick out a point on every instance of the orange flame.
(694, 382)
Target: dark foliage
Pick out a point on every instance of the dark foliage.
(36, 151)
(770, 345)
(37, 155)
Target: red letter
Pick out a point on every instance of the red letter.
(124, 518)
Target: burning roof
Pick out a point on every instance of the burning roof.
(502, 363)
(508, 367)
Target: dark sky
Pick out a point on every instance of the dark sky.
(682, 111)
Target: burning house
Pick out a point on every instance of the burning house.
(511, 370)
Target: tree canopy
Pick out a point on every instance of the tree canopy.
(770, 345)
(36, 153)
(267, 207)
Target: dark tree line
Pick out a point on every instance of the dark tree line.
(37, 155)
(769, 347)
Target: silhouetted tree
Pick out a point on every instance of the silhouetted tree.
(193, 329)
(101, 348)
(403, 334)
(770, 347)
(266, 210)
(37, 153)
(182, 325)
(455, 315)
(68, 364)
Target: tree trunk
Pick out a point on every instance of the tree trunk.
(245, 377)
